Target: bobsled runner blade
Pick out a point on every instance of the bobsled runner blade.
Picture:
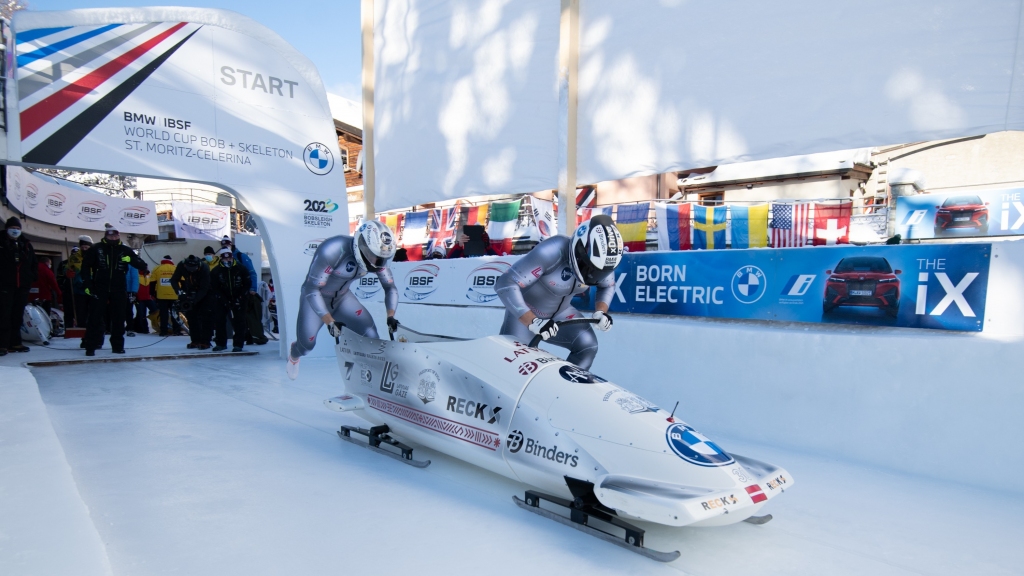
(758, 520)
(379, 435)
(620, 542)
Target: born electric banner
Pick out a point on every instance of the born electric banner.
(938, 286)
(941, 286)
(961, 213)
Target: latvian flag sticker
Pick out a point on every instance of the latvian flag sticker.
(755, 493)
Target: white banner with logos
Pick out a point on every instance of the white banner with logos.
(457, 282)
(201, 221)
(46, 200)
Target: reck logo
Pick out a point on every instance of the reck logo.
(473, 409)
(798, 285)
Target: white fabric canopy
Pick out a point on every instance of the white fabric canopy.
(680, 84)
(466, 98)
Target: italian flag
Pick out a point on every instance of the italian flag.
(504, 216)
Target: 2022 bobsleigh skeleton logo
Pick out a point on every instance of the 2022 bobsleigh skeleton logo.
(318, 158)
(749, 284)
(694, 447)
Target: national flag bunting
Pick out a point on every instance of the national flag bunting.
(632, 223)
(544, 216)
(415, 234)
(442, 228)
(394, 222)
(352, 225)
(586, 200)
(474, 215)
(504, 217)
(673, 226)
(749, 226)
(789, 224)
(708, 227)
(832, 223)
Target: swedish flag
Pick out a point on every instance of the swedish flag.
(708, 227)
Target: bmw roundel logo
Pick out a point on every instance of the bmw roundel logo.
(749, 284)
(694, 447)
(318, 158)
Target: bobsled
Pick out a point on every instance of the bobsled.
(588, 446)
(36, 325)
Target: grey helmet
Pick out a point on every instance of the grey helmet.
(375, 245)
(596, 248)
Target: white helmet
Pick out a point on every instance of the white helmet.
(596, 249)
(375, 244)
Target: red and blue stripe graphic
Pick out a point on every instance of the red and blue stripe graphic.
(673, 226)
(70, 79)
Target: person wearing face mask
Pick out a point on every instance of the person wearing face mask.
(105, 273)
(18, 270)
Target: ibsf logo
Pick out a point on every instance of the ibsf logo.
(54, 203)
(311, 246)
(367, 286)
(134, 216)
(482, 279)
(91, 210)
(421, 281)
(204, 219)
(32, 195)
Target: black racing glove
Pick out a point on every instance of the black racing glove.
(392, 323)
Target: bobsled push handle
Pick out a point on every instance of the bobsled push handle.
(537, 340)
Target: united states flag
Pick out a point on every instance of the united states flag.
(790, 224)
(442, 227)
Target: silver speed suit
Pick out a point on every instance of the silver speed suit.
(544, 283)
(326, 289)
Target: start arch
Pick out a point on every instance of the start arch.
(195, 95)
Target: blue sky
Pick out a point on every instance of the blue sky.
(327, 32)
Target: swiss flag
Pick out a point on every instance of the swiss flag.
(832, 223)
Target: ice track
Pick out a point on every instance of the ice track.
(222, 466)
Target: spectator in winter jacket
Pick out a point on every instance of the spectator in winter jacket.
(144, 305)
(133, 294)
(68, 292)
(231, 281)
(18, 271)
(105, 274)
(165, 295)
(266, 294)
(45, 288)
(77, 284)
(191, 281)
(210, 256)
(254, 280)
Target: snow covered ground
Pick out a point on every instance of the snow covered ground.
(223, 466)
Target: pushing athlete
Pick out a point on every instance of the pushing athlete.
(537, 290)
(326, 297)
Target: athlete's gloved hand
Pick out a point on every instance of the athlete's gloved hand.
(604, 321)
(90, 294)
(392, 323)
(334, 329)
(545, 327)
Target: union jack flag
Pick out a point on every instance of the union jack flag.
(442, 227)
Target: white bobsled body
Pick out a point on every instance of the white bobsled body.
(35, 325)
(526, 414)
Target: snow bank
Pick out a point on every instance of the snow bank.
(45, 526)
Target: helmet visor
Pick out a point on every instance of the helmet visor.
(591, 273)
(373, 262)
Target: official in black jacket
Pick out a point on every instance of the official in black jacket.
(18, 270)
(191, 282)
(232, 282)
(105, 272)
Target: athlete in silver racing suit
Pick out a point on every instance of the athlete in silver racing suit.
(326, 296)
(538, 289)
